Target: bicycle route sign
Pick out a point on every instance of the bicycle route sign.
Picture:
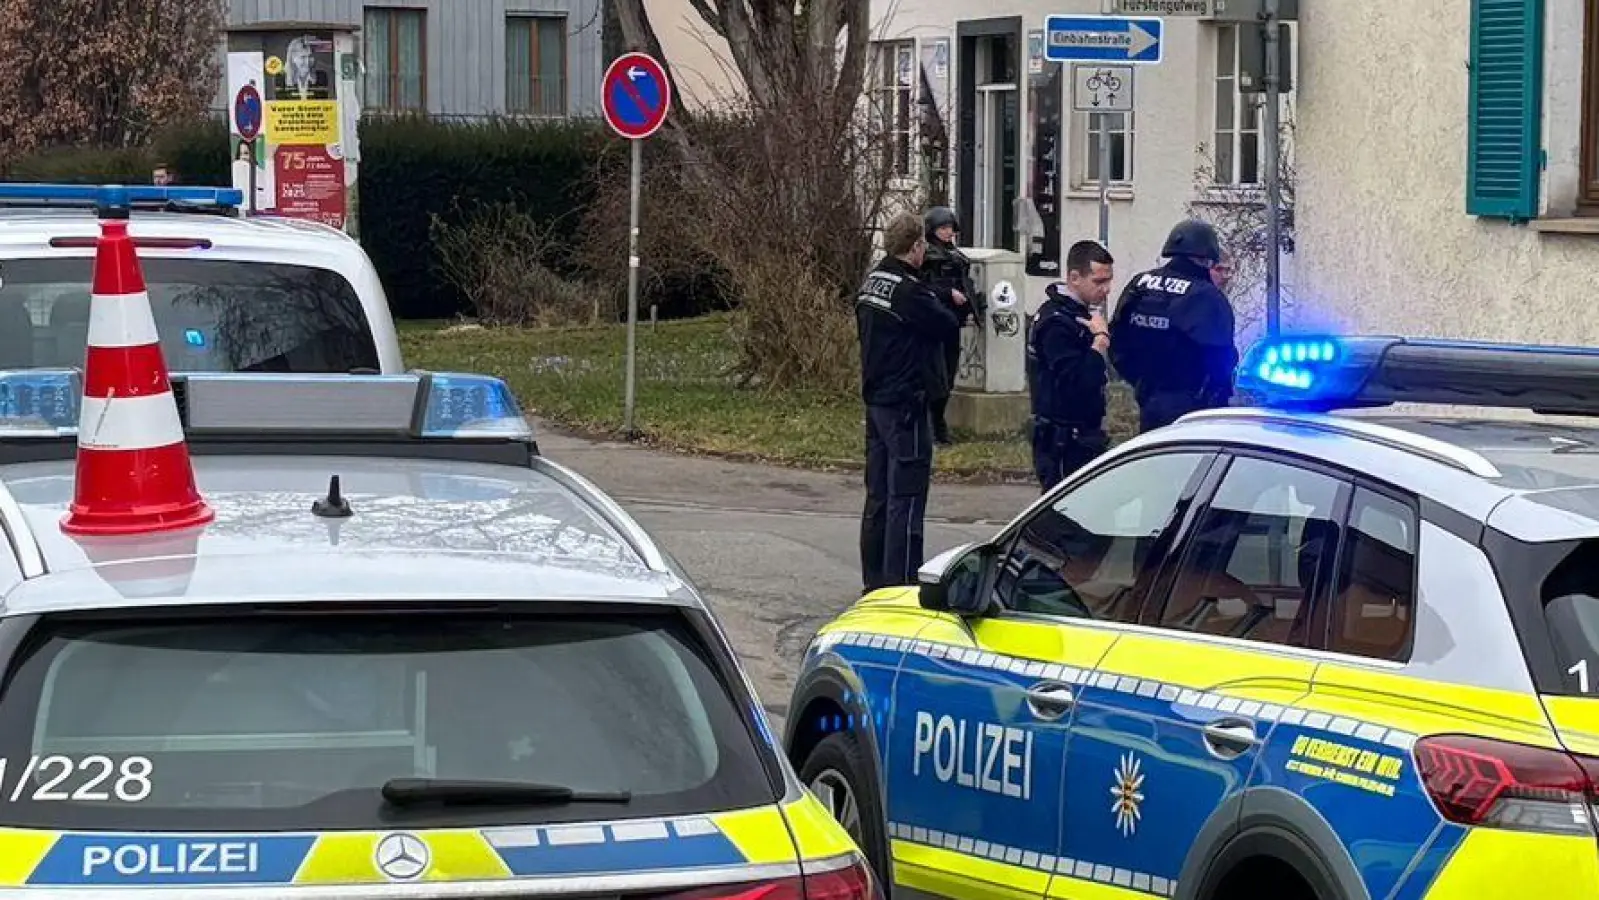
(1102, 89)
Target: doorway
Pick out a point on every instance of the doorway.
(990, 121)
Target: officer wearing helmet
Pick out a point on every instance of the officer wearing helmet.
(1172, 334)
(947, 270)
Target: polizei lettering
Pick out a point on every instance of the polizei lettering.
(1164, 283)
(175, 858)
(983, 756)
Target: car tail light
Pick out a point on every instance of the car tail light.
(853, 882)
(146, 243)
(1498, 784)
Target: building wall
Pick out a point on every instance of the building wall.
(1386, 244)
(1174, 104)
(705, 74)
(465, 46)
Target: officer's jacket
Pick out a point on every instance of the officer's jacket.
(1066, 376)
(1173, 333)
(946, 268)
(902, 323)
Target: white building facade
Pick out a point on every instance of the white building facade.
(1449, 168)
(981, 119)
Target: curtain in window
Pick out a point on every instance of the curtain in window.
(410, 62)
(552, 67)
(519, 65)
(375, 42)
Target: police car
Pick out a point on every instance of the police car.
(229, 293)
(1309, 650)
(353, 636)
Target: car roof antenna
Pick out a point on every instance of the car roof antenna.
(333, 506)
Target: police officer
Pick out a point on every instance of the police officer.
(902, 323)
(1172, 334)
(1066, 366)
(949, 272)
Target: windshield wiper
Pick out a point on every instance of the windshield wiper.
(473, 792)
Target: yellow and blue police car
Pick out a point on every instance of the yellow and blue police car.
(1314, 649)
(352, 636)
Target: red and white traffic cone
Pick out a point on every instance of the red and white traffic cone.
(133, 476)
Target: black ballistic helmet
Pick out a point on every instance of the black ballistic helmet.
(1193, 238)
(938, 217)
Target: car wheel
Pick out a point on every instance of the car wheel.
(838, 773)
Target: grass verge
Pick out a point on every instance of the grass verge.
(684, 401)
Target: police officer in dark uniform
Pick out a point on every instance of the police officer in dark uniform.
(1066, 368)
(902, 323)
(949, 272)
(1172, 334)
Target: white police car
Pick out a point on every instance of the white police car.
(1272, 652)
(262, 293)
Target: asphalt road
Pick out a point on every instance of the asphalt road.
(776, 550)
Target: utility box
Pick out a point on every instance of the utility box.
(990, 394)
(294, 104)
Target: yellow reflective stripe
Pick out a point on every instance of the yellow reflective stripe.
(1494, 862)
(463, 856)
(1577, 720)
(341, 859)
(961, 877)
(816, 832)
(1079, 889)
(758, 834)
(347, 858)
(1423, 707)
(21, 852)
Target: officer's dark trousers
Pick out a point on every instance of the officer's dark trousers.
(1157, 410)
(899, 466)
(1060, 449)
(952, 361)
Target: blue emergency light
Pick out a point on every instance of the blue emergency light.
(44, 403)
(117, 196)
(1327, 372)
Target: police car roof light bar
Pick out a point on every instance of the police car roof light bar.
(114, 199)
(1320, 373)
(452, 406)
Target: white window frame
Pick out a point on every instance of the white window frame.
(1226, 71)
(890, 98)
(1085, 148)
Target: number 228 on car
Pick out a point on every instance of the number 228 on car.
(1313, 648)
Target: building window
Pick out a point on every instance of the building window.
(535, 65)
(1095, 127)
(395, 41)
(1237, 149)
(1588, 198)
(894, 108)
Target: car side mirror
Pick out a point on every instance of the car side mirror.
(953, 580)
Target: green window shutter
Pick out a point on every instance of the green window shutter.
(1504, 146)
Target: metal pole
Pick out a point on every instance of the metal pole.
(632, 282)
(1273, 185)
(1104, 178)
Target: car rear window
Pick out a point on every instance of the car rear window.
(212, 315)
(1570, 597)
(292, 721)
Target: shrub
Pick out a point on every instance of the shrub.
(502, 261)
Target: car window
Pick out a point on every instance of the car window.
(1083, 555)
(295, 722)
(1372, 611)
(1255, 553)
(212, 315)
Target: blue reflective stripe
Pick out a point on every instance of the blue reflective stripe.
(599, 849)
(144, 859)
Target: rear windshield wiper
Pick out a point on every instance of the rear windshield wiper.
(473, 792)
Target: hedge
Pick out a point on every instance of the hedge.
(411, 167)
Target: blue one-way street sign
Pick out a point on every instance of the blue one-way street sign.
(1109, 39)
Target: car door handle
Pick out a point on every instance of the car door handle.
(1050, 700)
(1230, 737)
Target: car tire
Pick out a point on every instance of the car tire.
(838, 772)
